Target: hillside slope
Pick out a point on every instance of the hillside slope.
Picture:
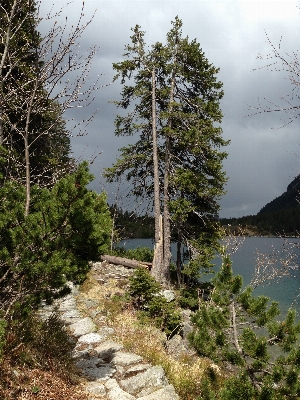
(287, 200)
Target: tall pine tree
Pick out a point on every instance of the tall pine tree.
(175, 106)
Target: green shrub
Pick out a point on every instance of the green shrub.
(166, 316)
(142, 287)
(154, 307)
(67, 226)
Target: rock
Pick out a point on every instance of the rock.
(95, 388)
(71, 316)
(82, 350)
(105, 331)
(166, 393)
(186, 328)
(115, 392)
(176, 346)
(107, 348)
(169, 295)
(91, 338)
(146, 382)
(187, 325)
(110, 373)
(82, 327)
(122, 358)
(95, 369)
(118, 394)
(69, 303)
(111, 383)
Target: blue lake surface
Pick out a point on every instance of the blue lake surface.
(267, 254)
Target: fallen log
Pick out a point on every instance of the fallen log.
(126, 262)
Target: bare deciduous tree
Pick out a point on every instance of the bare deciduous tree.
(45, 77)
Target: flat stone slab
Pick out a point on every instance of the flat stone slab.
(95, 388)
(145, 383)
(69, 303)
(90, 338)
(71, 316)
(107, 348)
(82, 327)
(166, 393)
(122, 358)
(118, 394)
(82, 350)
(115, 392)
(94, 369)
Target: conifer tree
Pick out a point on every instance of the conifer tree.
(188, 144)
(67, 227)
(237, 328)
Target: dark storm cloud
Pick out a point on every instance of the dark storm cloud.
(262, 160)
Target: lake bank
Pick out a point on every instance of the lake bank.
(260, 256)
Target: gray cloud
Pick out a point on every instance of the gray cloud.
(262, 160)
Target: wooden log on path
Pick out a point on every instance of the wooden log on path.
(126, 262)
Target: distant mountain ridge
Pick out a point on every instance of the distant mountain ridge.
(289, 199)
(279, 217)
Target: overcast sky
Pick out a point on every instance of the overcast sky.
(262, 159)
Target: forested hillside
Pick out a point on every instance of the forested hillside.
(280, 216)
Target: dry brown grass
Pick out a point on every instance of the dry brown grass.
(19, 382)
(185, 374)
(37, 361)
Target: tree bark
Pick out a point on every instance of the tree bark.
(158, 262)
(178, 256)
(126, 262)
(167, 224)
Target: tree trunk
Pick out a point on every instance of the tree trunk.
(158, 264)
(126, 262)
(178, 256)
(167, 225)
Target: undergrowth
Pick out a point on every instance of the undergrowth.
(36, 361)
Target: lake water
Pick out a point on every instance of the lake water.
(268, 256)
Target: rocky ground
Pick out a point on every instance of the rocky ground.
(108, 371)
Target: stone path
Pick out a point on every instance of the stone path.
(110, 372)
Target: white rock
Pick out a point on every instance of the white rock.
(94, 369)
(122, 358)
(166, 393)
(82, 327)
(68, 303)
(169, 295)
(90, 338)
(95, 388)
(119, 394)
(145, 383)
